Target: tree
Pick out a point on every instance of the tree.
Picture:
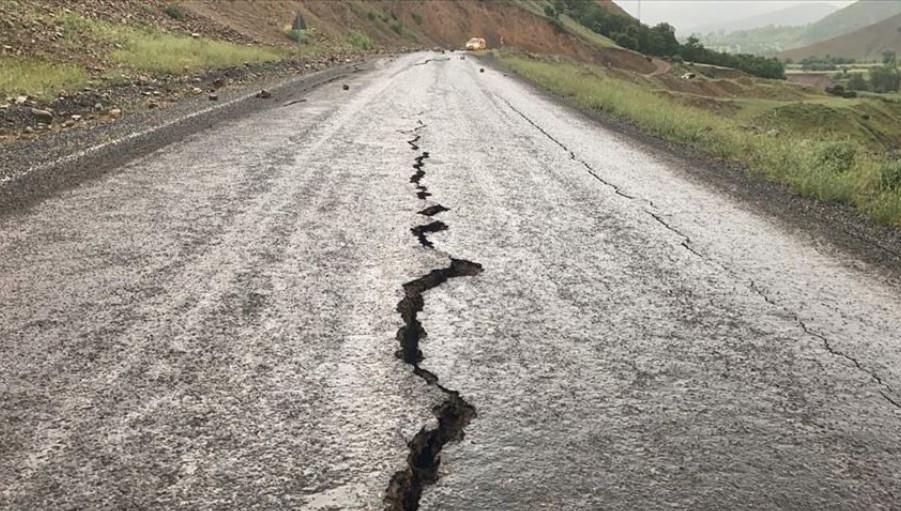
(885, 79)
(889, 57)
(550, 12)
(858, 82)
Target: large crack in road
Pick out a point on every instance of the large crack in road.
(454, 413)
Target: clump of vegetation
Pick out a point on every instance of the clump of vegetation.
(890, 176)
(417, 18)
(38, 78)
(857, 82)
(827, 63)
(297, 35)
(822, 165)
(397, 26)
(885, 78)
(836, 157)
(359, 40)
(175, 12)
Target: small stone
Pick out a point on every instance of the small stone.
(20, 100)
(219, 83)
(4, 106)
(196, 91)
(7, 47)
(69, 123)
(42, 115)
(29, 129)
(213, 96)
(345, 87)
(115, 113)
(264, 94)
(98, 106)
(481, 69)
(76, 117)
(195, 35)
(152, 104)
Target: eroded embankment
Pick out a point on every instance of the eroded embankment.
(453, 413)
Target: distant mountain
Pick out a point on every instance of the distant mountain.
(856, 16)
(867, 43)
(797, 15)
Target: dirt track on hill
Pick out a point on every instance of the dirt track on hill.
(440, 289)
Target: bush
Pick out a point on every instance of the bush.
(372, 15)
(175, 12)
(858, 82)
(890, 176)
(885, 79)
(359, 40)
(296, 35)
(550, 12)
(417, 18)
(836, 157)
(397, 27)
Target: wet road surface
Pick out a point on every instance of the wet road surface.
(252, 319)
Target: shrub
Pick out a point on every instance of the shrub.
(359, 40)
(296, 35)
(836, 157)
(175, 12)
(372, 15)
(550, 12)
(890, 176)
(397, 27)
(417, 18)
(858, 82)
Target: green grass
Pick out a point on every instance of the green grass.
(37, 78)
(359, 40)
(827, 167)
(143, 49)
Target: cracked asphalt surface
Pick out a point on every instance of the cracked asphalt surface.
(215, 325)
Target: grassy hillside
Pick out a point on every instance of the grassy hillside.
(867, 43)
(858, 15)
(793, 16)
(801, 41)
(831, 149)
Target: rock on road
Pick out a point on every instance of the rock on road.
(214, 326)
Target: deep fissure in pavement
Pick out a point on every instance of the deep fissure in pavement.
(454, 413)
(420, 231)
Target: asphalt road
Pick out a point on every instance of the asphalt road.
(238, 321)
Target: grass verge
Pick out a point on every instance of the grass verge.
(143, 49)
(37, 78)
(826, 168)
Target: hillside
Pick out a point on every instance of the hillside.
(854, 17)
(866, 43)
(611, 6)
(797, 15)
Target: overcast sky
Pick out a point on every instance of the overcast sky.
(687, 14)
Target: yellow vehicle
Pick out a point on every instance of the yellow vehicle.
(476, 43)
